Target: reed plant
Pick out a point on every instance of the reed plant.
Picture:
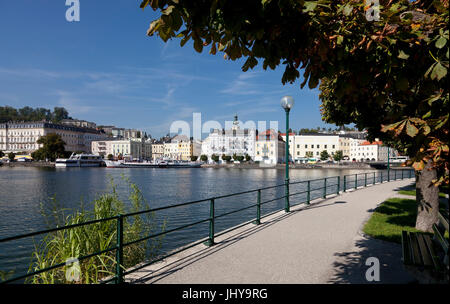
(65, 245)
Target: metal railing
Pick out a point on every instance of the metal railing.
(328, 185)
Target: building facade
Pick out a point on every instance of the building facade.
(23, 136)
(157, 150)
(372, 151)
(309, 146)
(229, 142)
(270, 148)
(181, 148)
(127, 148)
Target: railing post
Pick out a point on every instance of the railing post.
(345, 182)
(356, 181)
(374, 181)
(325, 188)
(286, 200)
(211, 223)
(258, 208)
(389, 175)
(381, 177)
(402, 174)
(338, 185)
(365, 179)
(395, 174)
(308, 194)
(119, 250)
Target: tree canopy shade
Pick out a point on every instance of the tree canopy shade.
(387, 76)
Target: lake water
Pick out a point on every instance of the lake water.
(24, 189)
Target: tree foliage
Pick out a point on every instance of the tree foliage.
(324, 155)
(387, 76)
(338, 155)
(8, 113)
(53, 147)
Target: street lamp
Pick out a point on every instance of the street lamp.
(287, 102)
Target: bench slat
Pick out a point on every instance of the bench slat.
(434, 256)
(406, 249)
(443, 220)
(438, 235)
(415, 249)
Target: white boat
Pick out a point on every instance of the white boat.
(80, 160)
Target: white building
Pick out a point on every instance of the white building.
(229, 142)
(270, 148)
(371, 151)
(309, 146)
(22, 136)
(136, 149)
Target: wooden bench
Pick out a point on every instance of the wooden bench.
(426, 255)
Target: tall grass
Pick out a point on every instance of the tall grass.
(64, 245)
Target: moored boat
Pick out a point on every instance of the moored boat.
(80, 160)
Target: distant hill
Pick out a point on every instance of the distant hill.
(8, 113)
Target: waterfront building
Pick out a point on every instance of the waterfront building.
(372, 151)
(135, 149)
(229, 142)
(270, 148)
(309, 146)
(157, 150)
(181, 147)
(349, 144)
(22, 136)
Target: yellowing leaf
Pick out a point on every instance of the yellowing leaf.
(415, 26)
(411, 130)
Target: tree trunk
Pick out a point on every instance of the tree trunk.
(427, 197)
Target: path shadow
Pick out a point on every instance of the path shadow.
(350, 267)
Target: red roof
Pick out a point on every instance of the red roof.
(269, 135)
(368, 143)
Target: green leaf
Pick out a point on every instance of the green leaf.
(403, 55)
(310, 6)
(438, 72)
(348, 8)
(340, 38)
(441, 42)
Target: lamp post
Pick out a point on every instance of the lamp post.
(287, 102)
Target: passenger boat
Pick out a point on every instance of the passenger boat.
(80, 160)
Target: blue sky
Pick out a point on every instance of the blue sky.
(105, 69)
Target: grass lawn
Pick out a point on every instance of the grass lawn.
(391, 217)
(413, 193)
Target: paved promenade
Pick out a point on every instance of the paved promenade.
(321, 243)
